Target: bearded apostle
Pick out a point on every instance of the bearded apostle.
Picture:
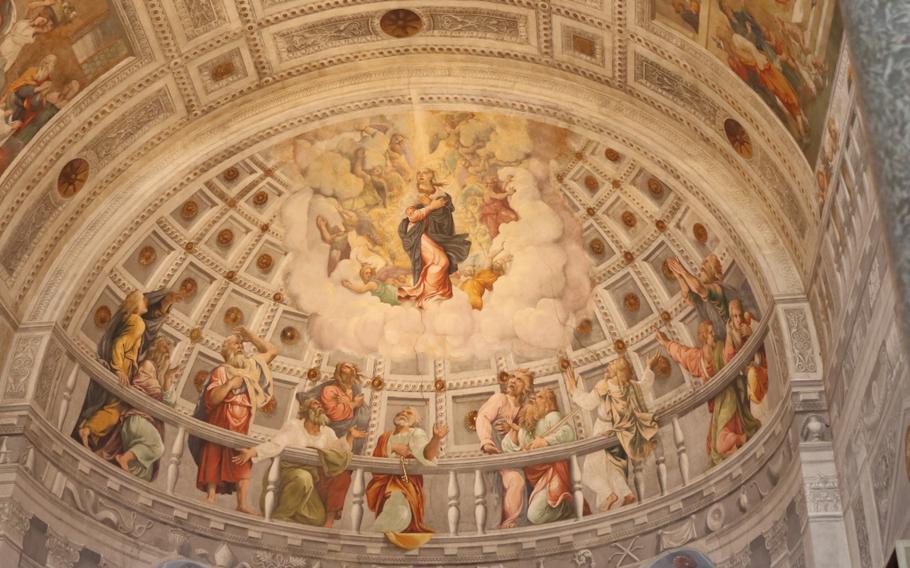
(309, 495)
(230, 397)
(620, 409)
(500, 411)
(739, 329)
(398, 500)
(343, 401)
(732, 423)
(542, 425)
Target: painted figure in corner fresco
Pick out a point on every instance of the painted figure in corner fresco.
(498, 418)
(229, 399)
(343, 400)
(311, 495)
(620, 405)
(398, 500)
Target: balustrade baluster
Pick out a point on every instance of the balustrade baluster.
(480, 502)
(271, 487)
(680, 442)
(67, 395)
(638, 478)
(578, 494)
(661, 460)
(173, 461)
(454, 511)
(357, 489)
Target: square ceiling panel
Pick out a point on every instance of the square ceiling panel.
(193, 210)
(100, 314)
(628, 300)
(463, 416)
(629, 223)
(698, 234)
(656, 260)
(655, 190)
(197, 284)
(147, 258)
(588, 182)
(588, 332)
(667, 374)
(597, 246)
(197, 371)
(289, 335)
(264, 198)
(266, 262)
(234, 178)
(236, 308)
(228, 237)
(456, 366)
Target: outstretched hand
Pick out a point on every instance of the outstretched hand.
(245, 333)
(244, 455)
(662, 339)
(653, 359)
(440, 431)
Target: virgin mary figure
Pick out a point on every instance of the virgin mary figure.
(428, 236)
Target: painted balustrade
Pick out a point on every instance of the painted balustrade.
(667, 412)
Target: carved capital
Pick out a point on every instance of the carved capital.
(15, 520)
(61, 553)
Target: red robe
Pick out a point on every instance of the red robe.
(552, 478)
(215, 465)
(382, 485)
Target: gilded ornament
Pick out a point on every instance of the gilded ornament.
(377, 383)
(591, 183)
(260, 198)
(655, 187)
(619, 345)
(611, 155)
(700, 233)
(401, 23)
(597, 246)
(189, 287)
(738, 137)
(264, 262)
(230, 275)
(195, 335)
(147, 255)
(102, 316)
(628, 257)
(233, 316)
(439, 385)
(72, 177)
(289, 335)
(278, 297)
(222, 71)
(231, 174)
(628, 219)
(631, 302)
(312, 373)
(225, 237)
(584, 327)
(661, 225)
(591, 211)
(470, 421)
(616, 183)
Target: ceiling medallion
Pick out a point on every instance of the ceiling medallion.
(312, 373)
(231, 174)
(278, 297)
(195, 335)
(377, 383)
(564, 363)
(222, 71)
(700, 233)
(738, 138)
(290, 335)
(147, 255)
(665, 316)
(628, 257)
(662, 367)
(225, 237)
(264, 227)
(230, 275)
(189, 287)
(199, 379)
(189, 210)
(260, 198)
(102, 316)
(584, 327)
(665, 270)
(233, 316)
(661, 225)
(560, 177)
(628, 219)
(439, 385)
(591, 183)
(611, 155)
(616, 184)
(190, 246)
(264, 262)
(401, 23)
(72, 177)
(231, 202)
(579, 156)
(619, 345)
(591, 211)
(470, 421)
(631, 302)
(597, 246)
(655, 187)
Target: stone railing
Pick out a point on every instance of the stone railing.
(668, 413)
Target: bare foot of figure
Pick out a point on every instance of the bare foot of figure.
(610, 502)
(210, 495)
(123, 461)
(247, 510)
(508, 525)
(83, 433)
(628, 500)
(329, 521)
